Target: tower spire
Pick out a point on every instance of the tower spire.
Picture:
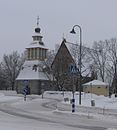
(37, 29)
(37, 21)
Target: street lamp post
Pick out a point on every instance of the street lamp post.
(80, 59)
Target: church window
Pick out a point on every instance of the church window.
(34, 38)
(31, 52)
(39, 53)
(28, 53)
(35, 53)
(37, 38)
(42, 54)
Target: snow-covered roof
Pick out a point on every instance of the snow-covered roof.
(95, 83)
(37, 34)
(36, 45)
(29, 73)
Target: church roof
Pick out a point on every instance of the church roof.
(74, 50)
(36, 45)
(32, 70)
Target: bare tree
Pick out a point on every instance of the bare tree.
(112, 62)
(3, 83)
(99, 56)
(86, 59)
(11, 66)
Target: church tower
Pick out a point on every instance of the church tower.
(37, 50)
(32, 73)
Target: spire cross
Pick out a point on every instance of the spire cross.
(37, 21)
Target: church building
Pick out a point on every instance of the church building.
(67, 57)
(32, 74)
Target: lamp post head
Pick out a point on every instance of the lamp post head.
(73, 31)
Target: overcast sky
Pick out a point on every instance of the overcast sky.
(97, 18)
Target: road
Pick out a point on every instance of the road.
(55, 113)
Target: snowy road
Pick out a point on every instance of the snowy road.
(40, 114)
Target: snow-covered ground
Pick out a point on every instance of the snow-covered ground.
(32, 114)
(100, 101)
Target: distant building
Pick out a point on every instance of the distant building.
(32, 73)
(96, 87)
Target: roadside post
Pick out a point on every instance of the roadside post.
(42, 93)
(73, 70)
(26, 89)
(25, 93)
(73, 105)
(42, 89)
